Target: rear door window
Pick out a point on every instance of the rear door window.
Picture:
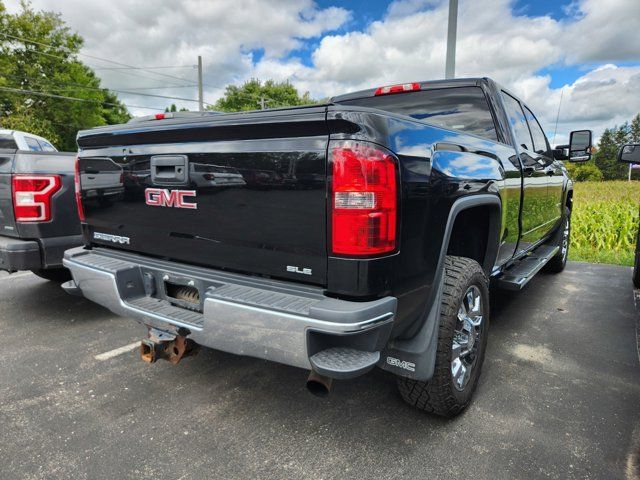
(33, 144)
(456, 108)
(518, 122)
(540, 144)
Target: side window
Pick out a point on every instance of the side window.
(540, 144)
(33, 144)
(46, 146)
(518, 122)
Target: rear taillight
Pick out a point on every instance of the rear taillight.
(78, 191)
(32, 196)
(363, 199)
(401, 88)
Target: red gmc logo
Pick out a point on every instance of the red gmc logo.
(161, 197)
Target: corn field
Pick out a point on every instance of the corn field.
(605, 221)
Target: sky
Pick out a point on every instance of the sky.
(586, 52)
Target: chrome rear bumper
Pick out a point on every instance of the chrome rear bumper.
(240, 314)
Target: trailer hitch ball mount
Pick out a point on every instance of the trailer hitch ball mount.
(162, 345)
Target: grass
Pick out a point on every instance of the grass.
(605, 222)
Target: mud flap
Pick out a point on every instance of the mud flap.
(416, 357)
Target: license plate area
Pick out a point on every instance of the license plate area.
(182, 292)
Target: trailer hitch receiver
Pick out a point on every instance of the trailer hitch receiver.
(168, 346)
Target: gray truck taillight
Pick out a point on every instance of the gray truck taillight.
(32, 196)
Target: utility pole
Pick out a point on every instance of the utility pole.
(450, 68)
(263, 103)
(200, 99)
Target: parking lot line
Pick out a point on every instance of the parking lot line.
(15, 275)
(117, 351)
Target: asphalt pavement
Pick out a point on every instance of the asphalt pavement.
(559, 398)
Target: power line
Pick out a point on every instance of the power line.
(60, 57)
(145, 68)
(127, 67)
(86, 87)
(64, 97)
(27, 40)
(153, 88)
(132, 74)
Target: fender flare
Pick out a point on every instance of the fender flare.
(415, 357)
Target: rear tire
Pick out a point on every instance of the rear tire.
(559, 261)
(462, 342)
(58, 275)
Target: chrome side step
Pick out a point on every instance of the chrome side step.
(519, 274)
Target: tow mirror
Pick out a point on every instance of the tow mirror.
(580, 146)
(629, 153)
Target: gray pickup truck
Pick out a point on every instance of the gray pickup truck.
(38, 213)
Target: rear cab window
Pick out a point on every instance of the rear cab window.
(455, 108)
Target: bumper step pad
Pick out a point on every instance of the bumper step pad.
(343, 362)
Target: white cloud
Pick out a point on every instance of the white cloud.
(604, 31)
(408, 44)
(601, 98)
(165, 32)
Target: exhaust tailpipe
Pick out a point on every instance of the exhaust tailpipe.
(319, 385)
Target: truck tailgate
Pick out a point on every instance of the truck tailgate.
(245, 192)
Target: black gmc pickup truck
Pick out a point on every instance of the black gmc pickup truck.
(333, 238)
(38, 215)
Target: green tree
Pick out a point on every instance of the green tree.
(634, 129)
(587, 172)
(606, 158)
(173, 108)
(250, 95)
(38, 66)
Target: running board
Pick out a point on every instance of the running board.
(519, 274)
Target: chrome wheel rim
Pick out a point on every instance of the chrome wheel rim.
(467, 337)
(565, 238)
